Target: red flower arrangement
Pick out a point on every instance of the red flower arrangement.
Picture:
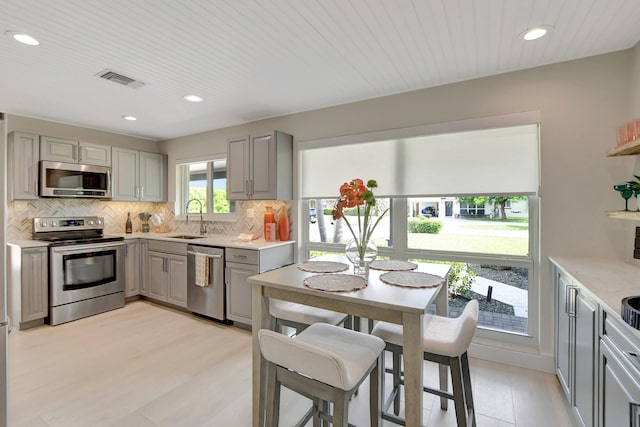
(355, 194)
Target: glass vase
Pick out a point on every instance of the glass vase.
(361, 258)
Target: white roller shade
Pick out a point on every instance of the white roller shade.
(480, 162)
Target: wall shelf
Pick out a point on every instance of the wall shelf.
(628, 149)
(630, 215)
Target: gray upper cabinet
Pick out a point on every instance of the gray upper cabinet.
(152, 177)
(260, 167)
(138, 176)
(68, 151)
(23, 157)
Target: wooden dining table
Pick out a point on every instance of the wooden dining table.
(378, 301)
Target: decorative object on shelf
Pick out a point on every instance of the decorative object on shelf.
(283, 224)
(361, 250)
(335, 282)
(628, 189)
(269, 225)
(626, 192)
(628, 132)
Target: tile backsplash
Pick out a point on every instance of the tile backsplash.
(21, 213)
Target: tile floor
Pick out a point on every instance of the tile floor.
(147, 365)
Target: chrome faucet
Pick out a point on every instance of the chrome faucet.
(203, 228)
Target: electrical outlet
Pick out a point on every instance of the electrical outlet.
(251, 214)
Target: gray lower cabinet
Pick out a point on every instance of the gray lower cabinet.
(576, 347)
(239, 266)
(133, 273)
(167, 272)
(144, 271)
(239, 291)
(28, 290)
(619, 375)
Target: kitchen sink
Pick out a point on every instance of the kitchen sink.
(631, 311)
(187, 237)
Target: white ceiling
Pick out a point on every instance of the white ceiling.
(254, 59)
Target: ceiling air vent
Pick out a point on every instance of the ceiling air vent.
(119, 78)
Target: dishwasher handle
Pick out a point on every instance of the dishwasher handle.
(205, 254)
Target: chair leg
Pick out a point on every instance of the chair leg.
(468, 392)
(374, 392)
(316, 412)
(341, 410)
(396, 380)
(272, 415)
(458, 391)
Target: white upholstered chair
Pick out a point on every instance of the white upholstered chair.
(300, 316)
(325, 363)
(445, 341)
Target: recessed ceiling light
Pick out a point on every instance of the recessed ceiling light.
(130, 118)
(536, 32)
(193, 98)
(23, 38)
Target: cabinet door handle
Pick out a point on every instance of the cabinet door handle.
(573, 293)
(246, 187)
(142, 191)
(635, 414)
(74, 152)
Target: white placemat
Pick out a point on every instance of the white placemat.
(336, 282)
(392, 265)
(323, 266)
(411, 279)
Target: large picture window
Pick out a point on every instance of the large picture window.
(466, 198)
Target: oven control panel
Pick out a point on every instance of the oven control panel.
(68, 223)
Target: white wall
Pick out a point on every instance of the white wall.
(580, 103)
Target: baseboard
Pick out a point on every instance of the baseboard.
(536, 362)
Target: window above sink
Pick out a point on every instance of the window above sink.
(204, 180)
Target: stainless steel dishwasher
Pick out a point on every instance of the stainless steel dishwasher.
(206, 300)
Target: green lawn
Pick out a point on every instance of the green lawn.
(495, 226)
(470, 243)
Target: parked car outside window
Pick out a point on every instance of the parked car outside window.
(313, 217)
(428, 211)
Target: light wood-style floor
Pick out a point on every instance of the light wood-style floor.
(147, 365)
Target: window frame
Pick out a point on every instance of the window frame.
(486, 341)
(400, 250)
(182, 190)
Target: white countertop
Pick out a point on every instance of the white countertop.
(608, 280)
(207, 240)
(211, 240)
(28, 243)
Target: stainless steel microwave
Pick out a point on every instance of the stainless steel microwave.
(74, 180)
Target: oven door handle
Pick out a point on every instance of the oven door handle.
(74, 249)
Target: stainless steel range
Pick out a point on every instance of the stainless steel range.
(86, 268)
